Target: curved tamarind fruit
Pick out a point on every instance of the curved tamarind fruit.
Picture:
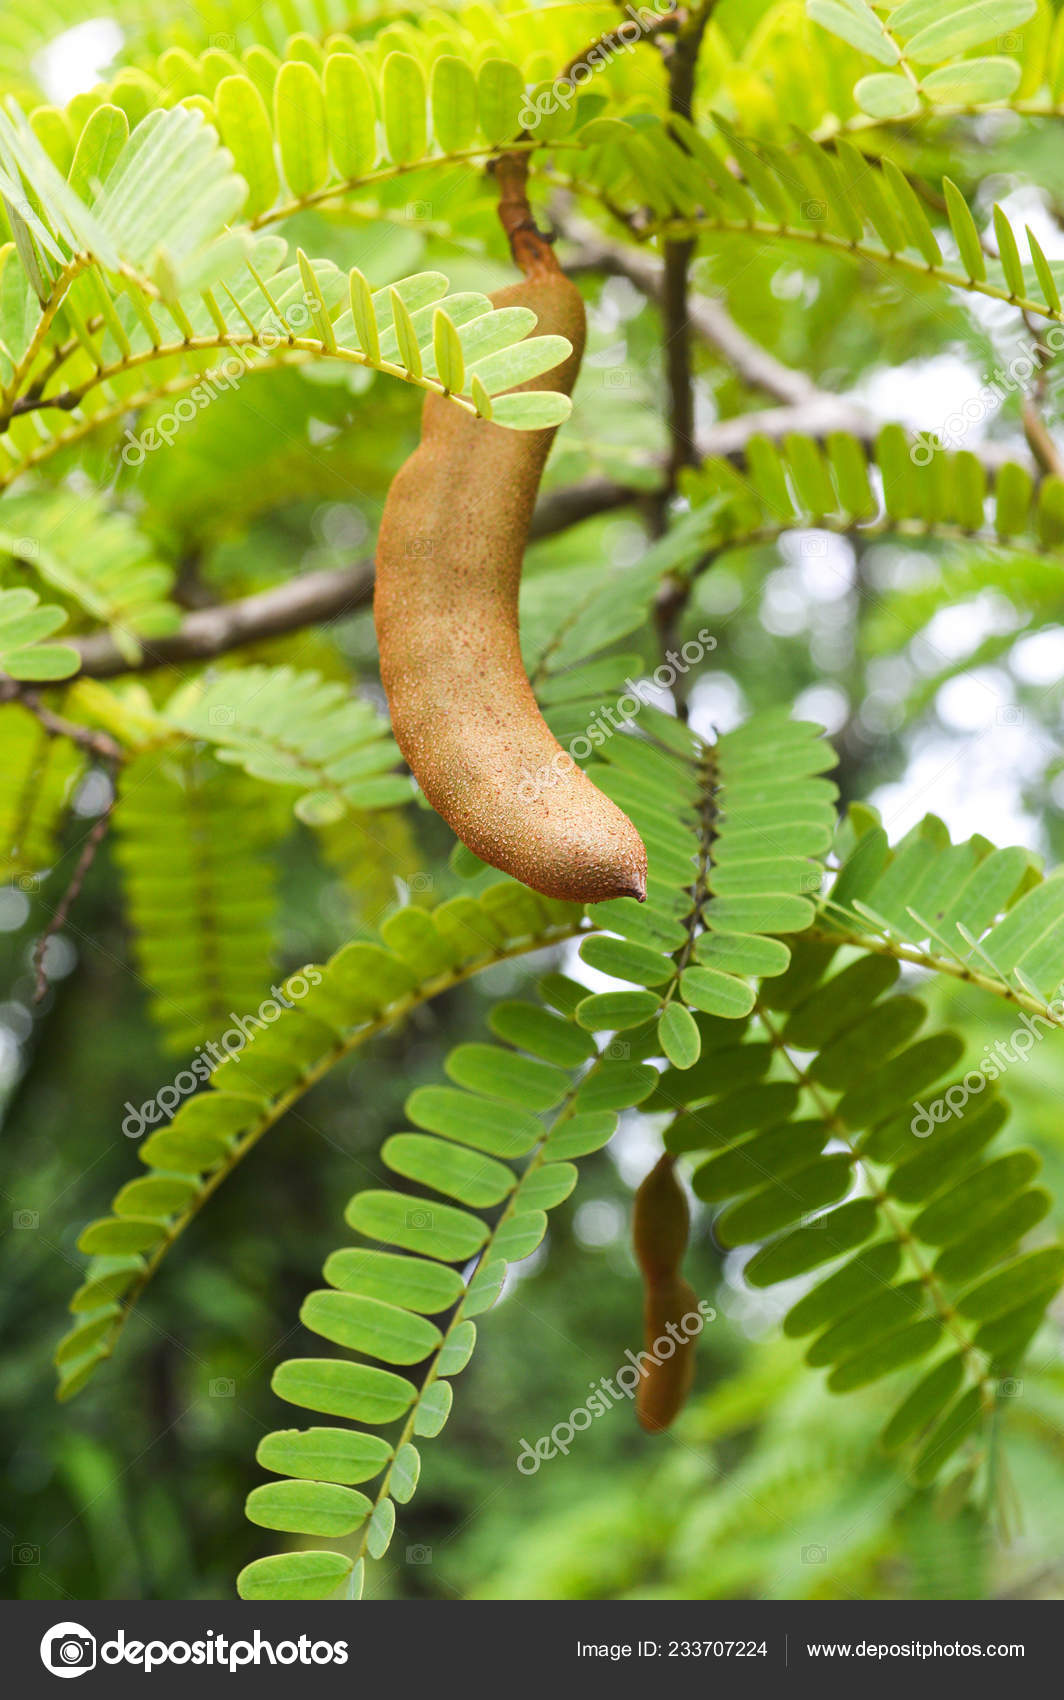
(660, 1225)
(663, 1391)
(449, 556)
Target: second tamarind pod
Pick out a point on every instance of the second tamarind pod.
(661, 1222)
(666, 1380)
(449, 556)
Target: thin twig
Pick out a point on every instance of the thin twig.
(681, 63)
(681, 60)
(1039, 438)
(93, 840)
(612, 41)
(315, 598)
(311, 599)
(333, 593)
(96, 744)
(708, 319)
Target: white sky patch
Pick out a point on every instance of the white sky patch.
(14, 909)
(790, 283)
(828, 705)
(716, 704)
(973, 784)
(1039, 659)
(824, 563)
(1026, 205)
(599, 1221)
(881, 713)
(921, 393)
(17, 1019)
(60, 957)
(978, 701)
(620, 301)
(607, 359)
(784, 605)
(76, 60)
(636, 1147)
(889, 568)
(625, 542)
(593, 978)
(719, 592)
(9, 1057)
(957, 631)
(93, 795)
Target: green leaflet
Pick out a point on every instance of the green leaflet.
(191, 848)
(727, 903)
(922, 33)
(971, 907)
(314, 1508)
(386, 1331)
(791, 1073)
(337, 1007)
(199, 295)
(945, 496)
(415, 1283)
(339, 112)
(293, 729)
(363, 1324)
(324, 1454)
(24, 625)
(857, 210)
(38, 778)
(127, 586)
(885, 1214)
(341, 1389)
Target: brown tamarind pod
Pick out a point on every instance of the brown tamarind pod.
(661, 1222)
(449, 556)
(660, 1225)
(667, 1376)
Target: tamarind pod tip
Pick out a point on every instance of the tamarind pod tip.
(667, 1382)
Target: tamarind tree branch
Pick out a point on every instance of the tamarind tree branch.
(1037, 434)
(93, 839)
(805, 408)
(612, 41)
(680, 56)
(333, 593)
(681, 62)
(311, 599)
(709, 319)
(96, 744)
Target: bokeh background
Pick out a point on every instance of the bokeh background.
(766, 1487)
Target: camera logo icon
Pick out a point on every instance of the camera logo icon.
(68, 1650)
